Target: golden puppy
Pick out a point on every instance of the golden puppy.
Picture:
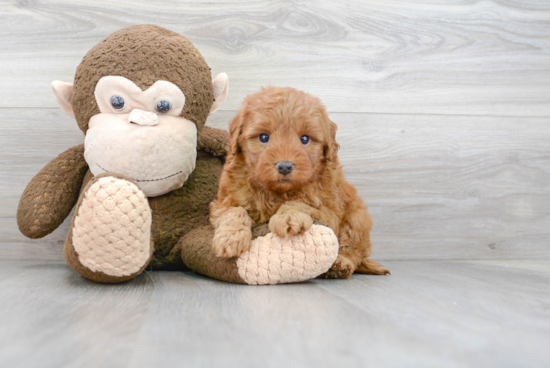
(282, 168)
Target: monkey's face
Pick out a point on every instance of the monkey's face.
(129, 98)
(141, 134)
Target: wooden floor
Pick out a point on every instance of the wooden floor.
(426, 314)
(443, 109)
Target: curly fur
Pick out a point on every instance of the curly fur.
(314, 190)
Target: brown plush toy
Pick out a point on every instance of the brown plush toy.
(148, 170)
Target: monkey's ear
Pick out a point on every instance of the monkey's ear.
(221, 88)
(64, 94)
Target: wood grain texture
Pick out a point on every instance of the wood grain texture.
(458, 187)
(442, 108)
(426, 314)
(384, 56)
(451, 188)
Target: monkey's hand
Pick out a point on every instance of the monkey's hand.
(292, 218)
(233, 235)
(52, 193)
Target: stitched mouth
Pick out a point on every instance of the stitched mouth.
(145, 180)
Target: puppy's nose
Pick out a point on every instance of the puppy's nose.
(285, 167)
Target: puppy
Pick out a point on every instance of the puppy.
(282, 168)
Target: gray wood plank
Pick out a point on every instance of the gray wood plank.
(451, 187)
(429, 314)
(458, 187)
(479, 313)
(444, 57)
(55, 318)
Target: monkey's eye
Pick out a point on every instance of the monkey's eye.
(305, 140)
(263, 138)
(118, 103)
(163, 106)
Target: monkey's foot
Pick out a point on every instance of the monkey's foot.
(275, 260)
(110, 237)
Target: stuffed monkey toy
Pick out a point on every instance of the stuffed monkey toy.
(148, 170)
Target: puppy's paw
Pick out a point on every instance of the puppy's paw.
(343, 268)
(290, 223)
(370, 267)
(231, 242)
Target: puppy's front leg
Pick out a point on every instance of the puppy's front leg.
(233, 235)
(292, 218)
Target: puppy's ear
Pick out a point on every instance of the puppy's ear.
(235, 130)
(331, 147)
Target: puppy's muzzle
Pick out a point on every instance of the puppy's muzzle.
(284, 167)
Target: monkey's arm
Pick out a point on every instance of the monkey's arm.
(214, 141)
(52, 193)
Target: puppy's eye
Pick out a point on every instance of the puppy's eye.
(118, 103)
(263, 138)
(305, 140)
(163, 107)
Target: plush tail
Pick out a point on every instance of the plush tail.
(370, 267)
